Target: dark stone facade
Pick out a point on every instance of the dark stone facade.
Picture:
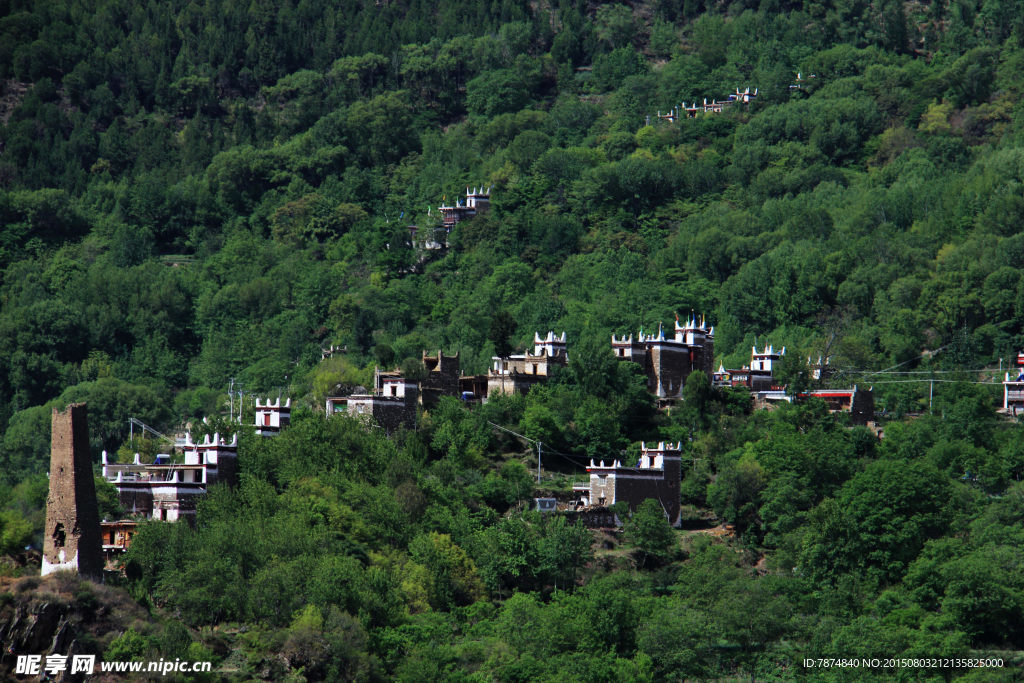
(71, 538)
(442, 378)
(657, 476)
(862, 406)
(389, 412)
(668, 361)
(135, 498)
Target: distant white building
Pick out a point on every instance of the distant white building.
(271, 417)
(478, 200)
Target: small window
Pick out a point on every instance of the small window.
(266, 419)
(59, 536)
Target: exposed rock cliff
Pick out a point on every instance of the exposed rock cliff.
(60, 614)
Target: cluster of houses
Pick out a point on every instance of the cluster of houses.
(715, 106)
(168, 491)
(667, 360)
(395, 398)
(163, 490)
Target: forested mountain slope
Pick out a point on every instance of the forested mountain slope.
(195, 193)
(273, 160)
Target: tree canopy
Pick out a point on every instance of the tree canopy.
(199, 198)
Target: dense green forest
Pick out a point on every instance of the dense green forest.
(193, 194)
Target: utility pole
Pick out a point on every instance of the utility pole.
(538, 463)
(931, 391)
(231, 400)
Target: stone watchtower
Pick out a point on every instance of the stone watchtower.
(71, 539)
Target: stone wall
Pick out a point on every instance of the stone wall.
(388, 412)
(71, 538)
(862, 406)
(670, 366)
(442, 378)
(512, 383)
(706, 359)
(227, 468)
(603, 488)
(394, 414)
(136, 499)
(593, 518)
(634, 486)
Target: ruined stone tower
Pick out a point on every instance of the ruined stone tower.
(71, 539)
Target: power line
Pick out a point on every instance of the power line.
(133, 422)
(917, 372)
(574, 459)
(521, 436)
(929, 381)
(893, 367)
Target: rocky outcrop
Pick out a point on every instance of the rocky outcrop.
(60, 614)
(34, 626)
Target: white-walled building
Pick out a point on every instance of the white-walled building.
(271, 417)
